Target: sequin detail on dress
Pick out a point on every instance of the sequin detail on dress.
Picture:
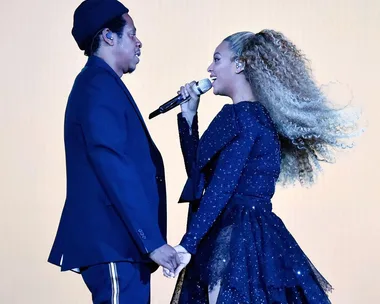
(236, 239)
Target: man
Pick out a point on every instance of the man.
(113, 225)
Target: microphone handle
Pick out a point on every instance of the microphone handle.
(172, 103)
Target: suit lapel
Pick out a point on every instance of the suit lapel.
(133, 103)
(94, 60)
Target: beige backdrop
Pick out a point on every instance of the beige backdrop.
(336, 222)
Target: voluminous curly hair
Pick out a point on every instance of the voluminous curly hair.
(310, 127)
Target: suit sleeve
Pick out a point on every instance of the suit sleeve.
(106, 135)
(189, 142)
(226, 176)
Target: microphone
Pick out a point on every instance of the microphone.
(200, 87)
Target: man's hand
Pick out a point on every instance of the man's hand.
(166, 257)
(184, 257)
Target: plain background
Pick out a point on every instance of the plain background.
(336, 222)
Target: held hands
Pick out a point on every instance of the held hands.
(167, 257)
(184, 258)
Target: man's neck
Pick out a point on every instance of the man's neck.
(110, 61)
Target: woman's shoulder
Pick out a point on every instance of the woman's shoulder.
(243, 117)
(251, 115)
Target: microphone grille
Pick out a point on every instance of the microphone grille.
(203, 86)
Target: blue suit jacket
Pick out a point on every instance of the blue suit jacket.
(115, 208)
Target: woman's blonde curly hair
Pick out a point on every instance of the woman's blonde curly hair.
(309, 126)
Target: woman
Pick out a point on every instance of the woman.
(277, 130)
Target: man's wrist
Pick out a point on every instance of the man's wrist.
(154, 247)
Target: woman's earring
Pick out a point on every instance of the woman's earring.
(239, 64)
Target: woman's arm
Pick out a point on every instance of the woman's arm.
(229, 168)
(189, 139)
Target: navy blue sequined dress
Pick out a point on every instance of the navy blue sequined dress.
(235, 239)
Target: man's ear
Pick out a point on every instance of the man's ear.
(107, 36)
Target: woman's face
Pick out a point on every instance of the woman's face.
(222, 70)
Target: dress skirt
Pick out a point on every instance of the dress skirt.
(253, 258)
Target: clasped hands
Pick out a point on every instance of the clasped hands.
(172, 260)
